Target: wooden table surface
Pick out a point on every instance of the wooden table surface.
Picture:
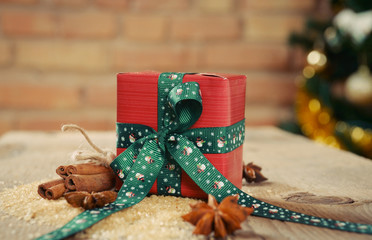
(303, 176)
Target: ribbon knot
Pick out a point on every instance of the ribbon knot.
(183, 110)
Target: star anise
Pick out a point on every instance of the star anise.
(252, 173)
(90, 200)
(223, 219)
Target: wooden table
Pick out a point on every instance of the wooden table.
(303, 176)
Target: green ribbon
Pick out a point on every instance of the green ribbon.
(151, 153)
(208, 140)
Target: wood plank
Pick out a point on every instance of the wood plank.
(310, 178)
(303, 176)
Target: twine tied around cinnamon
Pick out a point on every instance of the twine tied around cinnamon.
(100, 156)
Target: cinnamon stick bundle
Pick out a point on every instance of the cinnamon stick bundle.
(90, 183)
(82, 169)
(52, 190)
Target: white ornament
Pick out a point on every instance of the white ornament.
(358, 87)
(357, 25)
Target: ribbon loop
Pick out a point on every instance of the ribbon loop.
(186, 105)
(186, 102)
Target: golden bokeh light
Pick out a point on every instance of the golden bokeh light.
(316, 58)
(314, 105)
(308, 72)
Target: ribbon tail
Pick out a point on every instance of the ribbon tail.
(138, 183)
(124, 162)
(210, 180)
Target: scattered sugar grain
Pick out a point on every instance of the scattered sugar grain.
(25, 203)
(163, 221)
(158, 216)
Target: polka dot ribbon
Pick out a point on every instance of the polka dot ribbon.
(151, 151)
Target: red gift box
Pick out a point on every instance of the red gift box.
(223, 105)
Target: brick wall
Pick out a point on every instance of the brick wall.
(59, 58)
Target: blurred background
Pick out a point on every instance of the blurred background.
(59, 58)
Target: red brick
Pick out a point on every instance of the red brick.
(88, 25)
(154, 57)
(113, 4)
(101, 94)
(6, 53)
(71, 68)
(102, 124)
(6, 122)
(71, 3)
(277, 5)
(15, 75)
(247, 56)
(24, 95)
(145, 27)
(193, 59)
(53, 120)
(258, 115)
(160, 5)
(297, 58)
(216, 6)
(39, 122)
(205, 28)
(270, 89)
(28, 23)
(26, 2)
(61, 55)
(269, 27)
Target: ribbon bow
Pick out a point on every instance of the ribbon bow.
(141, 164)
(149, 153)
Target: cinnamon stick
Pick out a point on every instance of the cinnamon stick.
(86, 169)
(52, 190)
(90, 183)
(61, 171)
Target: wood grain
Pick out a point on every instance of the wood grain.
(303, 176)
(310, 178)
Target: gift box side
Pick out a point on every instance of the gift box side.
(229, 164)
(228, 94)
(137, 98)
(223, 99)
